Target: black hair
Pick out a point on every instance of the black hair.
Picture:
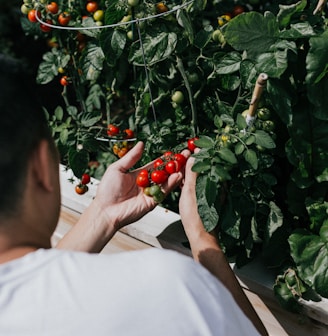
(23, 125)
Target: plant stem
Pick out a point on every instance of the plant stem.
(194, 121)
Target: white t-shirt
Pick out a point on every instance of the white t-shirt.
(148, 292)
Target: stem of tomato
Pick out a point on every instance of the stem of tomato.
(194, 121)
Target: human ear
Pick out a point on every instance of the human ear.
(43, 166)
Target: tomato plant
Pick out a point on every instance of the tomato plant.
(259, 182)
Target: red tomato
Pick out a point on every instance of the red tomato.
(81, 189)
(92, 6)
(171, 167)
(238, 9)
(143, 179)
(180, 159)
(168, 155)
(52, 7)
(112, 130)
(85, 179)
(129, 134)
(191, 144)
(32, 15)
(64, 81)
(64, 18)
(45, 28)
(159, 176)
(158, 163)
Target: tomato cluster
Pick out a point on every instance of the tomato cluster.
(122, 140)
(82, 187)
(235, 10)
(51, 14)
(152, 179)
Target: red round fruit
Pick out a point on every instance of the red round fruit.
(92, 6)
(159, 176)
(85, 179)
(32, 14)
(191, 144)
(64, 81)
(238, 9)
(158, 163)
(52, 7)
(171, 167)
(142, 179)
(128, 133)
(180, 159)
(64, 18)
(46, 28)
(81, 189)
(112, 130)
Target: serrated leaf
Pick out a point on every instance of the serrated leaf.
(112, 43)
(251, 158)
(78, 161)
(184, 21)
(310, 253)
(89, 119)
(264, 139)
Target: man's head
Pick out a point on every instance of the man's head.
(22, 127)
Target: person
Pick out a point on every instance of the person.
(73, 290)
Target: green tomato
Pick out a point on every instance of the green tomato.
(133, 3)
(268, 125)
(155, 190)
(177, 97)
(264, 113)
(98, 15)
(129, 35)
(159, 198)
(217, 36)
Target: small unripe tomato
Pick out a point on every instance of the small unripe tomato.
(98, 15)
(133, 3)
(177, 97)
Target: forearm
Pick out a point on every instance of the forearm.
(91, 233)
(207, 252)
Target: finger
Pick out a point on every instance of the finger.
(131, 157)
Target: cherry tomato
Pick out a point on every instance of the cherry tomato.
(168, 155)
(64, 18)
(81, 189)
(142, 179)
(32, 15)
(155, 190)
(45, 28)
(161, 8)
(64, 81)
(159, 176)
(158, 163)
(264, 113)
(122, 152)
(52, 7)
(92, 6)
(223, 19)
(238, 9)
(171, 167)
(112, 130)
(85, 178)
(191, 144)
(115, 149)
(180, 159)
(98, 15)
(177, 97)
(128, 134)
(133, 3)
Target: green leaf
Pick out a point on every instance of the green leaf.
(310, 253)
(157, 46)
(93, 62)
(205, 141)
(78, 161)
(287, 11)
(89, 119)
(251, 158)
(317, 58)
(206, 210)
(229, 63)
(241, 122)
(201, 166)
(227, 155)
(112, 42)
(239, 148)
(275, 220)
(264, 139)
(185, 22)
(252, 32)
